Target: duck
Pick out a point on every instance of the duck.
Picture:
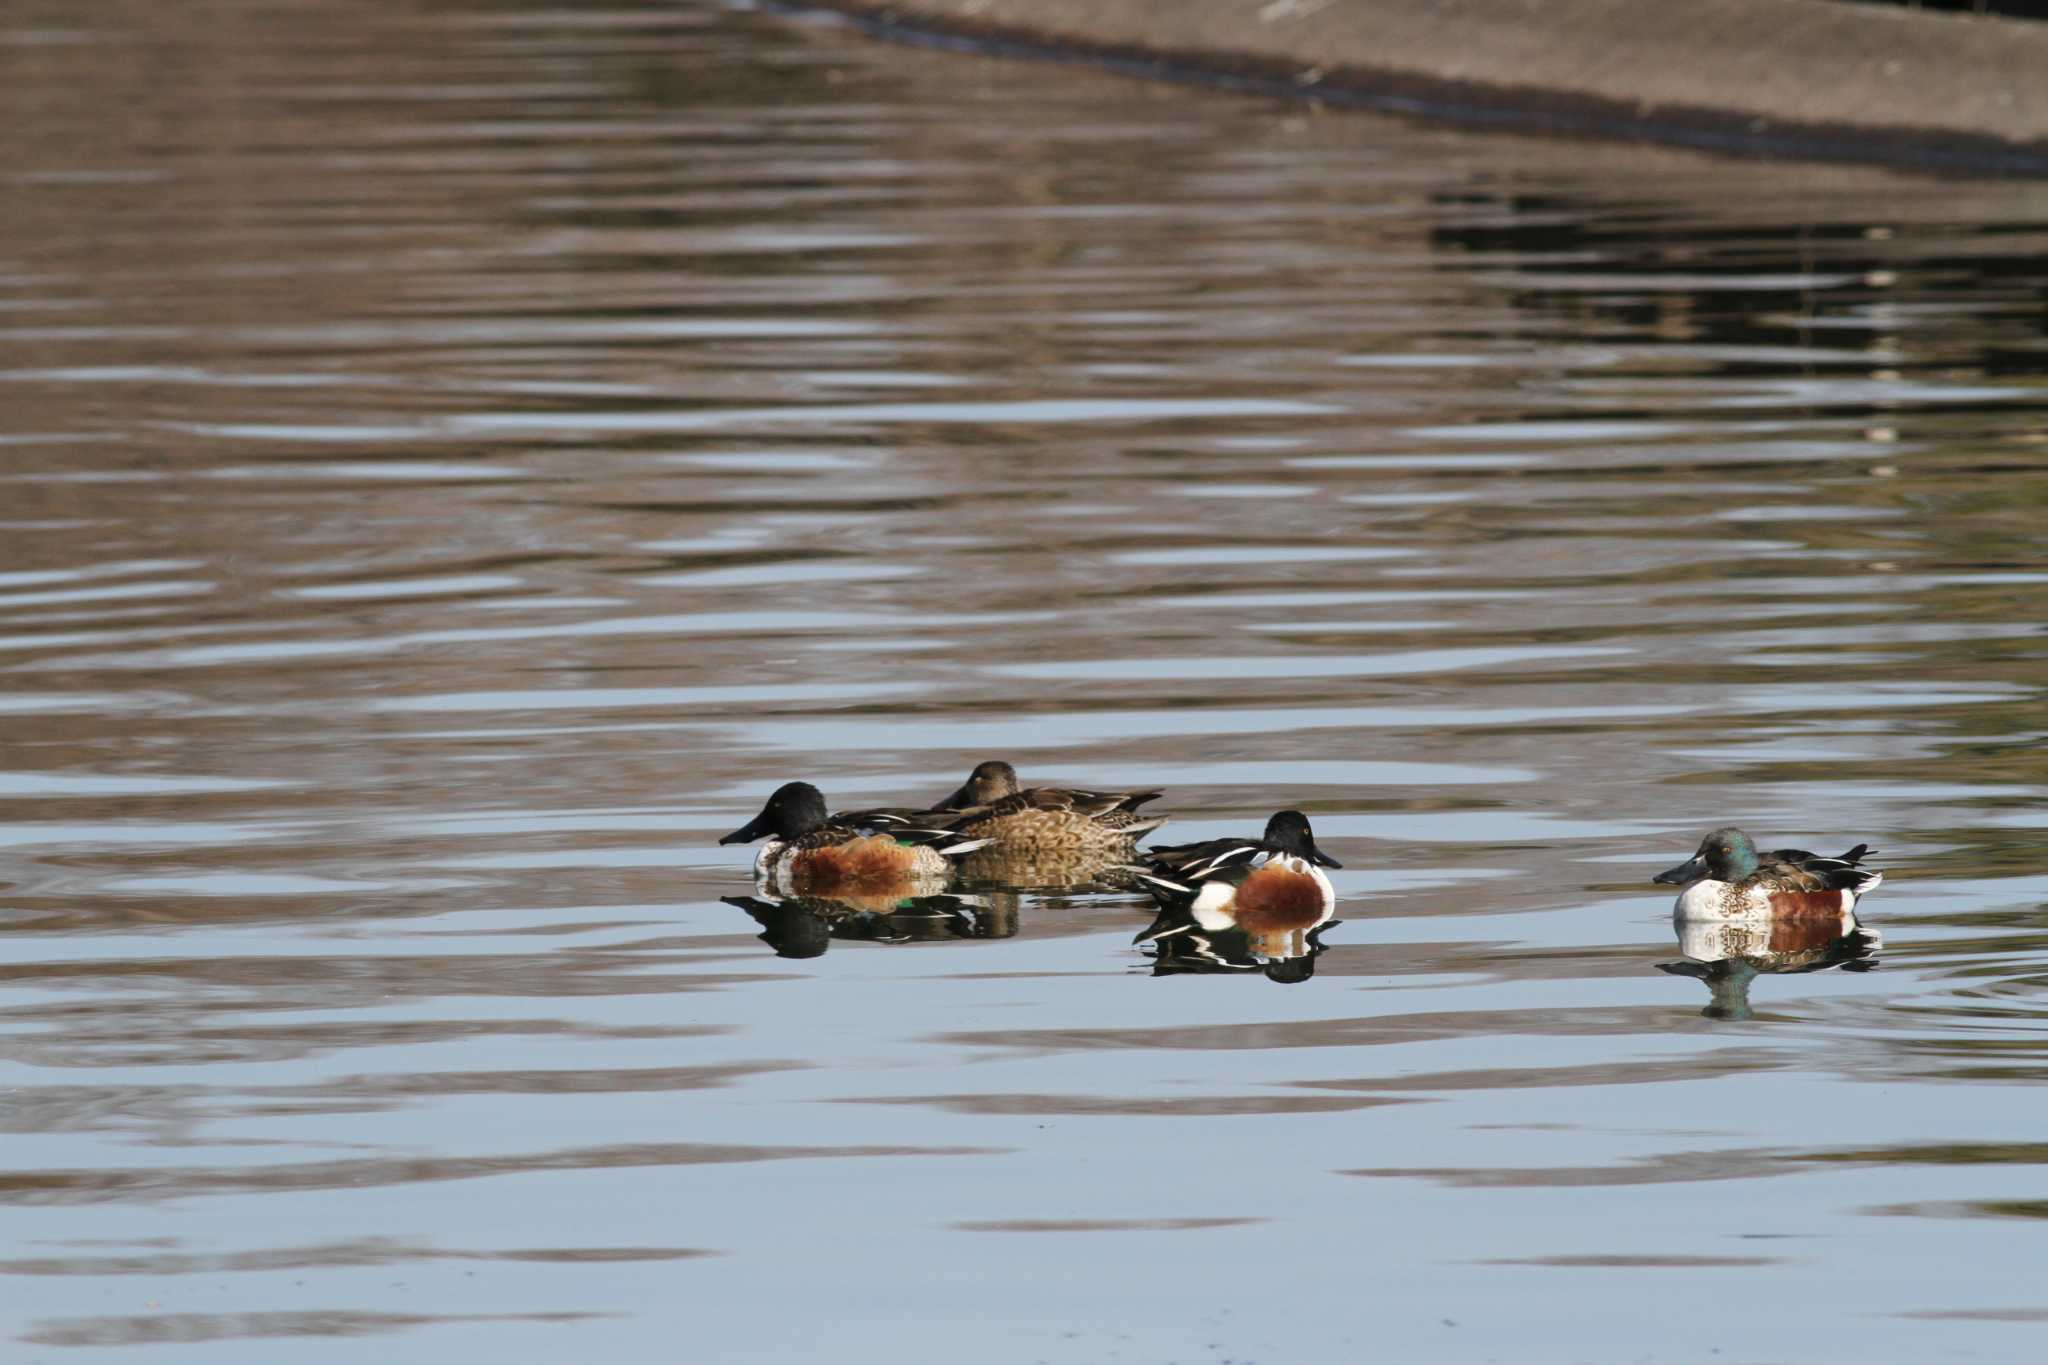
(1729, 878)
(819, 854)
(1271, 888)
(1014, 816)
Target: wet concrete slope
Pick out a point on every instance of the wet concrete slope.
(1815, 78)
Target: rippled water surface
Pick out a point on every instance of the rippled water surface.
(455, 460)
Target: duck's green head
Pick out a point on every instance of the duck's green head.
(1288, 832)
(1726, 855)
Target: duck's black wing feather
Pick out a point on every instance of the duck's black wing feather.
(878, 819)
(1800, 855)
(1191, 863)
(1813, 872)
(1094, 803)
(937, 828)
(1174, 873)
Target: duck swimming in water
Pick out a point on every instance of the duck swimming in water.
(1269, 886)
(1728, 877)
(1013, 816)
(820, 854)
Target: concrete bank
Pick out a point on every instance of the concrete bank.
(1803, 78)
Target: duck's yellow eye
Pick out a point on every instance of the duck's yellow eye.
(1724, 848)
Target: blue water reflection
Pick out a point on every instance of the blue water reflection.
(456, 461)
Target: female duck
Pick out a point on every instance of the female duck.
(1047, 818)
(1270, 885)
(1727, 877)
(819, 854)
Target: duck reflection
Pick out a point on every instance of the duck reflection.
(1048, 869)
(804, 926)
(1728, 954)
(1178, 943)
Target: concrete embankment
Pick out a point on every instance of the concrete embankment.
(1807, 78)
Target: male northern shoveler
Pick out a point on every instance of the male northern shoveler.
(1266, 887)
(1047, 818)
(819, 854)
(1728, 877)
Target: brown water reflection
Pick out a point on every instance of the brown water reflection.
(369, 1251)
(188, 1328)
(456, 461)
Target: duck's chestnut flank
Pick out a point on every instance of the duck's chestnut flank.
(857, 865)
(1274, 899)
(1801, 903)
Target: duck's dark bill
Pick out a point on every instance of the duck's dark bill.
(957, 800)
(745, 834)
(1322, 859)
(1691, 870)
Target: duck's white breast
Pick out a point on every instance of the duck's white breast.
(1211, 908)
(1709, 899)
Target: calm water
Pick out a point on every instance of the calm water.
(455, 460)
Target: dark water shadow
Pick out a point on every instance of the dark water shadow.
(805, 926)
(1177, 946)
(167, 1329)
